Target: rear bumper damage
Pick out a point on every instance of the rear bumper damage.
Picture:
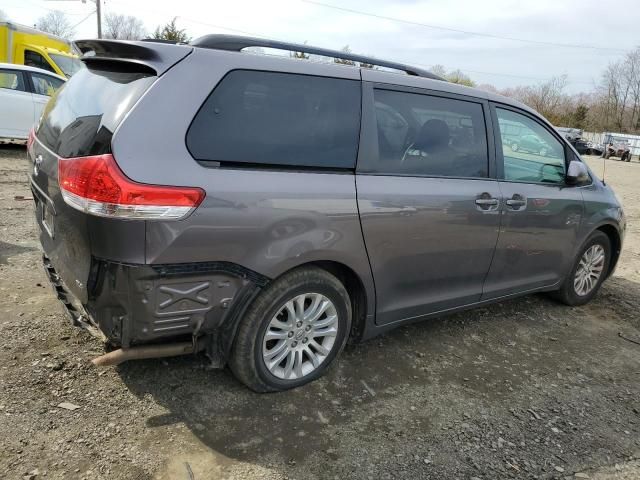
(164, 307)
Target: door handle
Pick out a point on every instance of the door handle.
(487, 202)
(516, 202)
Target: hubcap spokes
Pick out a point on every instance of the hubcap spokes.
(300, 336)
(589, 270)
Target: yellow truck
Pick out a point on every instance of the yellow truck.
(23, 45)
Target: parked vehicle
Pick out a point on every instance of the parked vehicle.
(594, 148)
(581, 146)
(530, 143)
(24, 92)
(618, 149)
(570, 134)
(285, 207)
(24, 45)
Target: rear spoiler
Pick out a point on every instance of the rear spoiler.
(148, 56)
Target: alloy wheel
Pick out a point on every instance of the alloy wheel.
(589, 269)
(300, 336)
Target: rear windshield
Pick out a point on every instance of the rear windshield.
(69, 65)
(81, 117)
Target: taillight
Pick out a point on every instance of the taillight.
(30, 139)
(97, 186)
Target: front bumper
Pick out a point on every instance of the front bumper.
(132, 305)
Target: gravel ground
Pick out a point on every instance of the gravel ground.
(521, 389)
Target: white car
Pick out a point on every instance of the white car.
(24, 91)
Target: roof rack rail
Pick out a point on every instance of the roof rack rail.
(159, 40)
(236, 43)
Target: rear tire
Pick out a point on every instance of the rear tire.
(571, 292)
(270, 330)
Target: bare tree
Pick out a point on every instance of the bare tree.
(632, 76)
(342, 61)
(299, 55)
(123, 27)
(487, 87)
(546, 97)
(454, 76)
(56, 23)
(619, 94)
(439, 70)
(458, 76)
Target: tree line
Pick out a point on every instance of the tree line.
(613, 104)
(115, 26)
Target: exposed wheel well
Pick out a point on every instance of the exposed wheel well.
(357, 294)
(611, 232)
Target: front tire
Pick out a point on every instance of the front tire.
(588, 271)
(292, 331)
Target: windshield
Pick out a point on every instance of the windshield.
(69, 65)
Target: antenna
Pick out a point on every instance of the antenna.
(604, 168)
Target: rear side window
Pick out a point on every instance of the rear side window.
(81, 116)
(424, 135)
(45, 84)
(12, 80)
(279, 119)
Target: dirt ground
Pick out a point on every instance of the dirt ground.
(521, 389)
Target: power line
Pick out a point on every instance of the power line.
(84, 19)
(253, 34)
(43, 8)
(539, 79)
(456, 30)
(190, 20)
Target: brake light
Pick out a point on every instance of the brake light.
(30, 139)
(97, 186)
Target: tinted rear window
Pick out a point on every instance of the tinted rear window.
(279, 119)
(81, 117)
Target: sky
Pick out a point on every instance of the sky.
(576, 38)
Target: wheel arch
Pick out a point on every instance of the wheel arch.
(612, 233)
(356, 290)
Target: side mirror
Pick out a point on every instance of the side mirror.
(577, 173)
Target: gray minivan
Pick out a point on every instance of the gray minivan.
(264, 210)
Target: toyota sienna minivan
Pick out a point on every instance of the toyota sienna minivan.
(264, 210)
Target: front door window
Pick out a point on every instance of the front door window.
(531, 153)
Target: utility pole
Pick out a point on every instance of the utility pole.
(98, 11)
(99, 15)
